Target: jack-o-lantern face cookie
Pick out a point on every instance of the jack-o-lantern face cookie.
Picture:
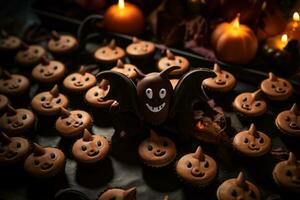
(252, 142)
(30, 55)
(250, 104)
(238, 188)
(9, 43)
(16, 121)
(289, 121)
(172, 60)
(90, 148)
(13, 150)
(49, 103)
(126, 69)
(62, 44)
(13, 84)
(157, 151)
(79, 81)
(287, 173)
(118, 194)
(276, 88)
(72, 123)
(95, 95)
(3, 103)
(48, 71)
(109, 54)
(223, 82)
(140, 49)
(197, 168)
(44, 162)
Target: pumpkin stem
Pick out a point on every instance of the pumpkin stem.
(81, 70)
(153, 135)
(217, 68)
(87, 136)
(64, 113)
(103, 84)
(4, 138)
(257, 94)
(199, 154)
(55, 35)
(166, 197)
(3, 34)
(54, 91)
(10, 111)
(24, 46)
(294, 109)
(38, 150)
(135, 40)
(252, 131)
(241, 181)
(130, 193)
(170, 55)
(272, 77)
(292, 159)
(236, 22)
(120, 64)
(45, 60)
(112, 44)
(6, 75)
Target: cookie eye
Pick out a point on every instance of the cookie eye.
(149, 93)
(99, 143)
(165, 144)
(246, 140)
(18, 145)
(36, 162)
(245, 99)
(189, 165)
(252, 194)
(68, 123)
(67, 40)
(55, 67)
(162, 93)
(52, 156)
(284, 84)
(288, 119)
(227, 76)
(8, 121)
(116, 52)
(168, 64)
(83, 148)
(1, 150)
(42, 71)
(288, 173)
(58, 101)
(261, 140)
(273, 86)
(234, 193)
(103, 51)
(5, 84)
(180, 61)
(150, 148)
(43, 98)
(206, 164)
(36, 51)
(87, 79)
(19, 80)
(257, 104)
(79, 115)
(96, 94)
(73, 78)
(24, 117)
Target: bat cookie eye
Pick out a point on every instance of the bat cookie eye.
(149, 93)
(162, 93)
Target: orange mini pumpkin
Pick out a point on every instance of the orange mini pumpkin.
(234, 42)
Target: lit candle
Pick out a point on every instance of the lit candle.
(293, 27)
(124, 18)
(278, 42)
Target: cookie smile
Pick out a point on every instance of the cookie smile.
(156, 108)
(10, 154)
(93, 153)
(46, 166)
(200, 174)
(46, 106)
(160, 154)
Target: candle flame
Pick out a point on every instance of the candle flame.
(121, 4)
(284, 39)
(296, 16)
(236, 22)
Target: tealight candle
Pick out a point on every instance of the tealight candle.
(278, 42)
(293, 27)
(124, 18)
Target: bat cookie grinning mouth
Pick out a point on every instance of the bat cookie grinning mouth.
(156, 108)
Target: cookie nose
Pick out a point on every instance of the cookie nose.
(253, 145)
(158, 150)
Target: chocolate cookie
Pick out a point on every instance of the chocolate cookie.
(95, 95)
(16, 121)
(72, 123)
(252, 142)
(109, 54)
(9, 43)
(238, 188)
(13, 84)
(223, 82)
(48, 71)
(90, 148)
(140, 49)
(48, 103)
(62, 44)
(276, 88)
(172, 60)
(288, 121)
(126, 69)
(44, 162)
(287, 174)
(157, 151)
(250, 104)
(13, 149)
(118, 194)
(3, 103)
(79, 81)
(30, 55)
(197, 168)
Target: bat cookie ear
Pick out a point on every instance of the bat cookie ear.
(165, 73)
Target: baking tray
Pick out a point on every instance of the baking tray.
(123, 167)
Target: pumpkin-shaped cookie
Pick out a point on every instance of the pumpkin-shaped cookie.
(157, 151)
(223, 82)
(126, 69)
(95, 95)
(276, 88)
(252, 142)
(13, 149)
(171, 60)
(79, 81)
(48, 71)
(49, 103)
(13, 84)
(72, 123)
(197, 168)
(62, 44)
(287, 173)
(140, 48)
(118, 194)
(90, 148)
(9, 43)
(30, 55)
(288, 121)
(44, 162)
(109, 54)
(238, 188)
(17, 121)
(250, 104)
